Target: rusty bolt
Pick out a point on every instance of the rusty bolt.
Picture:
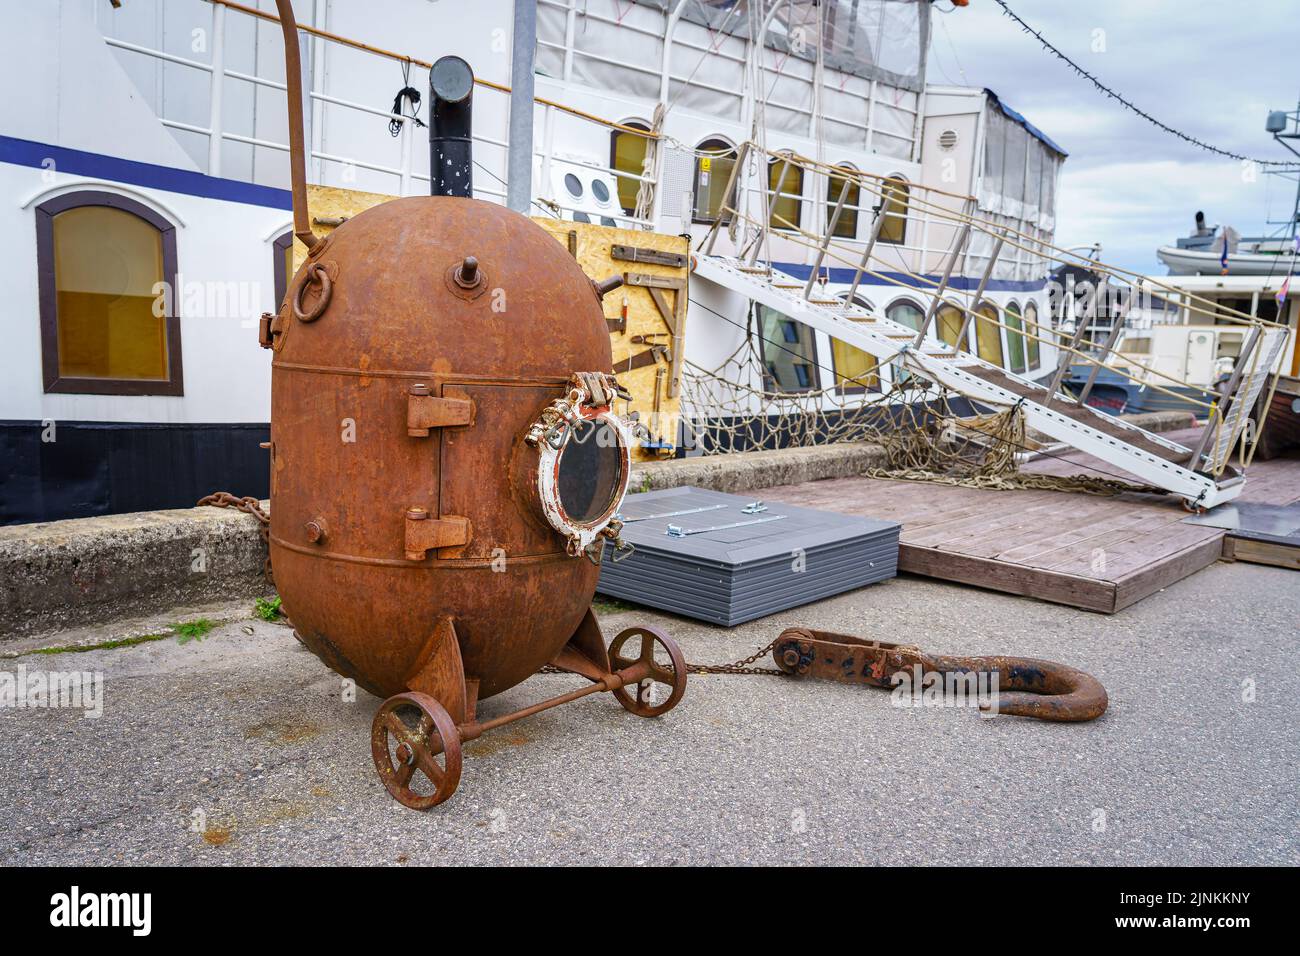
(405, 754)
(418, 390)
(416, 514)
(790, 657)
(467, 275)
(315, 531)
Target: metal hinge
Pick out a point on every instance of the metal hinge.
(425, 411)
(425, 533)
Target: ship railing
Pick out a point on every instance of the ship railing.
(964, 221)
(404, 172)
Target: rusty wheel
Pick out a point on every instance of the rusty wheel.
(654, 647)
(409, 733)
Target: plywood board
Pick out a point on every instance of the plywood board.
(328, 204)
(593, 246)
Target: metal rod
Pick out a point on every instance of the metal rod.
(1063, 364)
(826, 239)
(519, 175)
(728, 196)
(1229, 394)
(979, 293)
(1116, 327)
(638, 672)
(937, 295)
(215, 108)
(771, 208)
(866, 258)
(297, 148)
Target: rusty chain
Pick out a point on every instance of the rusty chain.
(742, 666)
(248, 505)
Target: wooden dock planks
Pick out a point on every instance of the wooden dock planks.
(1097, 553)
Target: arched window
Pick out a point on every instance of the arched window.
(1015, 338)
(627, 155)
(283, 266)
(1031, 326)
(893, 206)
(906, 312)
(788, 210)
(860, 300)
(108, 297)
(949, 321)
(714, 160)
(847, 227)
(988, 334)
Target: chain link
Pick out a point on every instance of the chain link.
(736, 667)
(248, 505)
(742, 666)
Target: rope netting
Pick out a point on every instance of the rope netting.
(927, 432)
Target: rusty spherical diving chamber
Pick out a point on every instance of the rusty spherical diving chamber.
(405, 489)
(446, 464)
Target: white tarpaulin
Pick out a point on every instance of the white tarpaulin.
(1020, 167)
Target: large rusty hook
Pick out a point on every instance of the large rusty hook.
(1026, 687)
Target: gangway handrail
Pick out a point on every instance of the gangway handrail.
(869, 180)
(801, 237)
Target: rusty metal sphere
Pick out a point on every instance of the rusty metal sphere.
(429, 334)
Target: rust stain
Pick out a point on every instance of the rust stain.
(364, 365)
(283, 730)
(496, 743)
(279, 812)
(216, 836)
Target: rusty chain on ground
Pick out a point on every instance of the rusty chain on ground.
(742, 666)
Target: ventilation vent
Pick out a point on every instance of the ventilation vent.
(948, 139)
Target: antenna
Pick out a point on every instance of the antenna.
(1277, 124)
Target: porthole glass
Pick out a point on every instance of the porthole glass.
(600, 191)
(573, 184)
(590, 471)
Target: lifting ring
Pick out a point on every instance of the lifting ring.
(316, 272)
(409, 732)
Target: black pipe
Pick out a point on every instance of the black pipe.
(451, 150)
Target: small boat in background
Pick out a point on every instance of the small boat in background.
(1202, 253)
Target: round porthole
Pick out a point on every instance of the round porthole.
(589, 470)
(584, 463)
(600, 191)
(573, 184)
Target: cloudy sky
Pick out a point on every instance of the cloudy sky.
(1210, 68)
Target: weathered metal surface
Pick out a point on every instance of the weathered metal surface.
(341, 421)
(1025, 687)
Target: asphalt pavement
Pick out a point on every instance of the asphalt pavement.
(241, 748)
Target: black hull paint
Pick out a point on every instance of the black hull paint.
(101, 468)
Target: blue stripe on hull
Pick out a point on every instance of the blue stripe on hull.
(26, 152)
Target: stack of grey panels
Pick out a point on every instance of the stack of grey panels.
(702, 554)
